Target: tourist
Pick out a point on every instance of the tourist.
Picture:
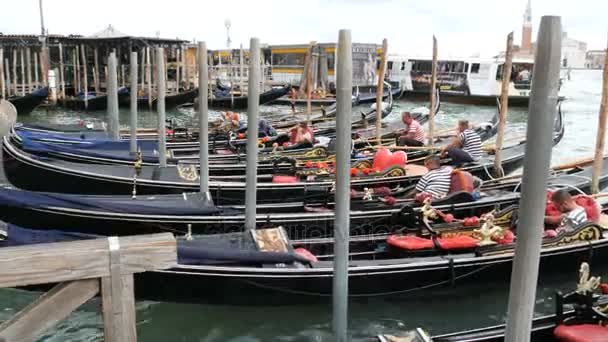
(302, 134)
(266, 129)
(466, 146)
(436, 182)
(232, 118)
(524, 75)
(415, 132)
(572, 213)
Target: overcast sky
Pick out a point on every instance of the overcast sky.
(462, 27)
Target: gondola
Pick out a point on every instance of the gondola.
(124, 215)
(171, 100)
(94, 101)
(240, 102)
(265, 267)
(45, 174)
(25, 104)
(581, 322)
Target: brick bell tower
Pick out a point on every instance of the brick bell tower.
(526, 31)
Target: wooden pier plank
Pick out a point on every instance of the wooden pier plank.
(48, 310)
(65, 261)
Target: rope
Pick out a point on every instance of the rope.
(387, 293)
(485, 167)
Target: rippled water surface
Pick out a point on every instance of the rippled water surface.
(439, 311)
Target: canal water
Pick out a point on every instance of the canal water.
(439, 311)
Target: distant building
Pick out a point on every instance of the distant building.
(574, 52)
(595, 59)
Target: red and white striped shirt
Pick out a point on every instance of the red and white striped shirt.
(416, 130)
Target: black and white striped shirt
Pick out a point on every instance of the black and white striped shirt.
(573, 219)
(436, 182)
(471, 143)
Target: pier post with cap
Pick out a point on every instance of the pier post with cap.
(133, 112)
(160, 106)
(112, 88)
(253, 106)
(203, 118)
(539, 137)
(343, 150)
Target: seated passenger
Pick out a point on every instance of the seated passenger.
(572, 213)
(232, 118)
(302, 134)
(466, 146)
(437, 181)
(266, 129)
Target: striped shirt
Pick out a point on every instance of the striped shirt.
(471, 143)
(416, 130)
(436, 182)
(573, 219)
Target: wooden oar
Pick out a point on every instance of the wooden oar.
(412, 148)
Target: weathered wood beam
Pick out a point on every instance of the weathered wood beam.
(58, 262)
(49, 309)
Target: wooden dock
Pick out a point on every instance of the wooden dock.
(82, 270)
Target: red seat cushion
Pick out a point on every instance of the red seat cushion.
(457, 242)
(409, 242)
(305, 253)
(461, 181)
(284, 179)
(592, 207)
(581, 333)
(385, 159)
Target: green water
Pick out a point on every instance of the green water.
(439, 311)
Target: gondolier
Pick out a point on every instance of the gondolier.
(466, 146)
(436, 183)
(415, 133)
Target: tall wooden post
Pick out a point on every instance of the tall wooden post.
(61, 73)
(76, 69)
(241, 70)
(85, 79)
(178, 70)
(149, 77)
(185, 74)
(23, 80)
(8, 77)
(36, 78)
(432, 91)
(309, 86)
(14, 71)
(504, 106)
(2, 80)
(28, 66)
(45, 64)
(142, 74)
(380, 90)
(96, 70)
(122, 75)
(601, 132)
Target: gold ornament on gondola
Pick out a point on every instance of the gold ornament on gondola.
(187, 172)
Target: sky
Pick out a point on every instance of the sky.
(463, 27)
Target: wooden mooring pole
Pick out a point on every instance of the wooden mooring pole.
(61, 74)
(82, 269)
(96, 71)
(8, 77)
(380, 89)
(504, 106)
(36, 75)
(432, 87)
(2, 79)
(28, 66)
(14, 71)
(85, 79)
(22, 70)
(601, 132)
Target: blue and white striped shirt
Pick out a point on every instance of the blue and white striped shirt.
(471, 143)
(436, 182)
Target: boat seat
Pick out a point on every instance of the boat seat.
(581, 333)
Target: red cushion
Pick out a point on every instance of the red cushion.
(457, 242)
(592, 208)
(284, 179)
(409, 242)
(385, 159)
(581, 333)
(303, 252)
(461, 181)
